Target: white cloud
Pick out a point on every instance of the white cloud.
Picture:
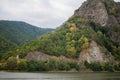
(117, 0)
(43, 13)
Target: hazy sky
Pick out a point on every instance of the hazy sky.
(42, 13)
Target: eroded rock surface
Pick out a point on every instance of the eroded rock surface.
(97, 11)
(94, 54)
(39, 56)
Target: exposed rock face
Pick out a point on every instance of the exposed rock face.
(115, 37)
(118, 15)
(112, 20)
(95, 10)
(94, 54)
(39, 56)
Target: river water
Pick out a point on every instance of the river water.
(59, 76)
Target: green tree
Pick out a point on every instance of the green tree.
(53, 63)
(95, 66)
(22, 65)
(117, 67)
(11, 63)
(63, 65)
(109, 67)
(36, 66)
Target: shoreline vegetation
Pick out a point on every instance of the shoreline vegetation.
(55, 65)
(58, 71)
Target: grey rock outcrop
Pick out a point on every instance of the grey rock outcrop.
(94, 54)
(96, 11)
(39, 56)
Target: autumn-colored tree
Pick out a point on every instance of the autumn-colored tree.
(84, 41)
(71, 51)
(73, 28)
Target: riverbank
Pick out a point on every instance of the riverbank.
(60, 71)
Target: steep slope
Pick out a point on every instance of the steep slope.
(93, 10)
(20, 32)
(107, 14)
(103, 12)
(73, 37)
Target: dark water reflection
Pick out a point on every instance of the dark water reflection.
(58, 76)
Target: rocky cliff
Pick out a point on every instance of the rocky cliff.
(94, 54)
(103, 12)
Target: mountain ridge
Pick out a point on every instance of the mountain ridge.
(20, 27)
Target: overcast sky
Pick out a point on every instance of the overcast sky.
(41, 13)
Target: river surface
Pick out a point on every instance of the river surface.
(58, 76)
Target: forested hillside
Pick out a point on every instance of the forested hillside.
(14, 34)
(5, 45)
(73, 37)
(70, 40)
(20, 32)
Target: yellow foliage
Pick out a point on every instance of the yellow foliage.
(83, 20)
(46, 36)
(73, 28)
(71, 51)
(83, 38)
(85, 45)
(54, 58)
(17, 50)
(112, 10)
(85, 42)
(27, 47)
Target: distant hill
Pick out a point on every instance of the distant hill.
(5, 45)
(16, 33)
(20, 32)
